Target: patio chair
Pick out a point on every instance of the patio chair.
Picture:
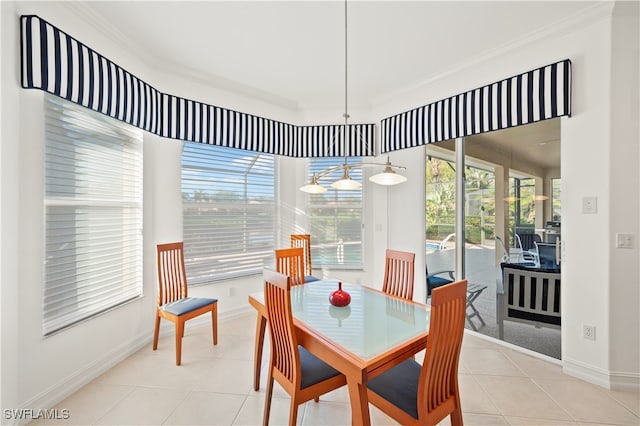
(437, 279)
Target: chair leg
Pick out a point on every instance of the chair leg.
(261, 326)
(156, 332)
(214, 322)
(267, 399)
(179, 334)
(293, 412)
(456, 417)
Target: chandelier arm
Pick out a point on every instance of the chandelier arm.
(333, 169)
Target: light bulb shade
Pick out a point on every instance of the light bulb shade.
(388, 177)
(346, 183)
(314, 187)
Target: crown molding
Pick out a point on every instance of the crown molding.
(86, 13)
(599, 11)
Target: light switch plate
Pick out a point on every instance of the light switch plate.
(590, 205)
(624, 241)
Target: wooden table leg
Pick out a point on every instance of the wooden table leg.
(261, 326)
(359, 403)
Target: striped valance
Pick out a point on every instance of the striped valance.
(57, 63)
(526, 98)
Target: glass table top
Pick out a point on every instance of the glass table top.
(371, 324)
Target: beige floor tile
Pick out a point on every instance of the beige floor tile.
(237, 347)
(587, 403)
(215, 386)
(488, 361)
(252, 412)
(144, 406)
(629, 398)
(473, 398)
(471, 419)
(378, 418)
(207, 408)
(89, 404)
(533, 367)
(243, 326)
(151, 369)
(227, 376)
(327, 413)
(520, 397)
(526, 421)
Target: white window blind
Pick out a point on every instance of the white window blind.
(93, 214)
(335, 218)
(228, 212)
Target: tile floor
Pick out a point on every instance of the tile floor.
(499, 386)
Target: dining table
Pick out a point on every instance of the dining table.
(374, 333)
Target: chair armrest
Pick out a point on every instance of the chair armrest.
(449, 272)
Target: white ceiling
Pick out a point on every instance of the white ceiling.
(292, 52)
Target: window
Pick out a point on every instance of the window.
(335, 219)
(228, 212)
(93, 214)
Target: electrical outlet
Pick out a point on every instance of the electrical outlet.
(232, 291)
(590, 205)
(589, 332)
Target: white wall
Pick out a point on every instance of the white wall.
(590, 295)
(598, 159)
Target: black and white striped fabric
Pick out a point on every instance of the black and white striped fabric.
(59, 64)
(533, 96)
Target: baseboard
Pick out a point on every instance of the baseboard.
(52, 396)
(614, 380)
(55, 394)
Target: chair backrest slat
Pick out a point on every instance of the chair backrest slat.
(399, 273)
(290, 261)
(304, 241)
(172, 277)
(284, 345)
(439, 374)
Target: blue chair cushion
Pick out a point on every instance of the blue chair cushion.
(399, 386)
(314, 370)
(438, 281)
(433, 282)
(186, 305)
(310, 279)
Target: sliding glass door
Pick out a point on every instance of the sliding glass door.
(509, 193)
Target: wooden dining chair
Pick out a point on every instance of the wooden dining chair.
(304, 241)
(399, 274)
(415, 394)
(290, 261)
(300, 373)
(173, 302)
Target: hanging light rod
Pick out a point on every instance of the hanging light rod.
(386, 177)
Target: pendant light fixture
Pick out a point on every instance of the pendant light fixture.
(387, 177)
